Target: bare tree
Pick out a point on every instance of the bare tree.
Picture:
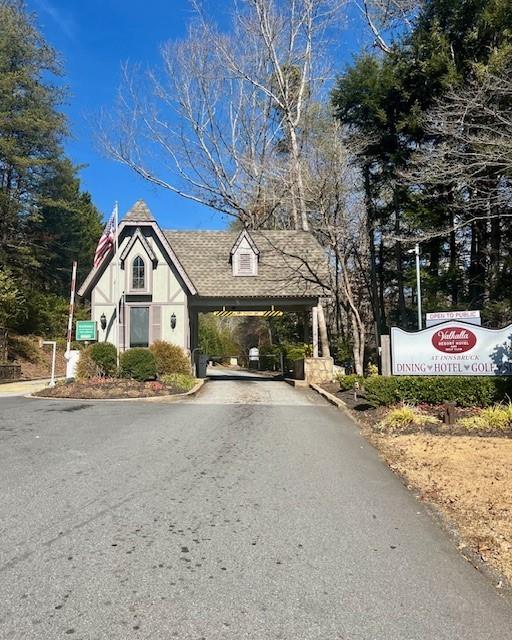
(338, 219)
(388, 18)
(224, 123)
(225, 116)
(470, 145)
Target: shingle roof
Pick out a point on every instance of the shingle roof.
(286, 263)
(139, 213)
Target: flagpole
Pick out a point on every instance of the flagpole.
(116, 276)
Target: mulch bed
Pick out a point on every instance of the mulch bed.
(103, 388)
(368, 416)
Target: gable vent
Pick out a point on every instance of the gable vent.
(245, 263)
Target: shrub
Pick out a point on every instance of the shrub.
(23, 347)
(86, 367)
(372, 369)
(104, 355)
(381, 390)
(403, 418)
(348, 382)
(495, 418)
(181, 381)
(169, 358)
(297, 351)
(138, 364)
(464, 391)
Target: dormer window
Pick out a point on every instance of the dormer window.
(138, 273)
(244, 256)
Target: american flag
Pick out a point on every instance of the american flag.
(106, 241)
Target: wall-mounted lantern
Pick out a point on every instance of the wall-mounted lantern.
(103, 321)
(173, 321)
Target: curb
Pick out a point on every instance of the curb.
(163, 399)
(296, 383)
(339, 404)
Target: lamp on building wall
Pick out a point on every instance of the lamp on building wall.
(173, 321)
(103, 321)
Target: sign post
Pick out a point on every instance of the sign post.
(54, 353)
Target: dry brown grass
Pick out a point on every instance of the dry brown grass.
(469, 479)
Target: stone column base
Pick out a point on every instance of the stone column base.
(318, 370)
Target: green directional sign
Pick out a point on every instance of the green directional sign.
(86, 330)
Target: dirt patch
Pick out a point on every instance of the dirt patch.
(104, 388)
(469, 479)
(34, 357)
(354, 400)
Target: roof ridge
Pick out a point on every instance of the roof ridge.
(139, 212)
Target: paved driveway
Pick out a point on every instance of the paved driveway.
(252, 511)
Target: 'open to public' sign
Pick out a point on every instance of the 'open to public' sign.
(453, 340)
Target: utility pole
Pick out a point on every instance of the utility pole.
(416, 251)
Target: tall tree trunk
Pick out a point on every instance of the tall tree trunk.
(494, 257)
(477, 271)
(380, 273)
(298, 179)
(399, 262)
(454, 275)
(337, 311)
(374, 297)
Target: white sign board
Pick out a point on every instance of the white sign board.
(254, 354)
(452, 349)
(473, 317)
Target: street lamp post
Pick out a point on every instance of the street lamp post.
(416, 251)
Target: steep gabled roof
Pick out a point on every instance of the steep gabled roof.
(139, 213)
(291, 263)
(245, 234)
(147, 247)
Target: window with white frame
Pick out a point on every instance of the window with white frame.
(138, 273)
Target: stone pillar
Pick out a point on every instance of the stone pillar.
(385, 355)
(315, 331)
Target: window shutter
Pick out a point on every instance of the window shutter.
(156, 322)
(122, 324)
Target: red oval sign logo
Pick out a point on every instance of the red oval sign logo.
(453, 339)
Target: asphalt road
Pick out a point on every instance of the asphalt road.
(253, 511)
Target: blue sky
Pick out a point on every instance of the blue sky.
(94, 38)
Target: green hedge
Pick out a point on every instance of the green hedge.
(347, 382)
(104, 355)
(169, 358)
(180, 381)
(139, 364)
(464, 391)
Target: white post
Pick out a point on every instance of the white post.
(418, 284)
(116, 277)
(71, 307)
(315, 331)
(54, 353)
